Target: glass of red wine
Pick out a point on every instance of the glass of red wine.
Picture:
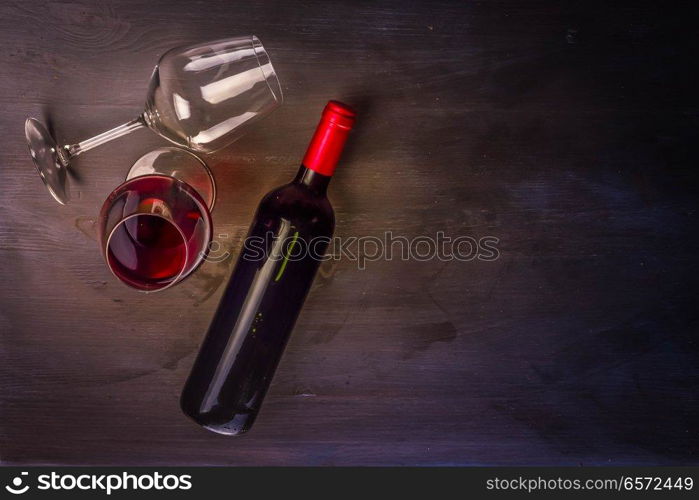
(154, 231)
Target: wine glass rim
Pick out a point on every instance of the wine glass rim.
(270, 79)
(174, 280)
(184, 271)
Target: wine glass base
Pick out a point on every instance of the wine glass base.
(180, 164)
(49, 160)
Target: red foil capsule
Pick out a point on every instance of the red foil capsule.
(329, 139)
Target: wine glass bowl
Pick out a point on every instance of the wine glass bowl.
(180, 164)
(204, 97)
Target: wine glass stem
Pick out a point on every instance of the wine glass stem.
(72, 150)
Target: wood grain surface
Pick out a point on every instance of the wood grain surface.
(566, 130)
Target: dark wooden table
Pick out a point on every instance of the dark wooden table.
(567, 131)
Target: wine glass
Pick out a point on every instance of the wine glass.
(154, 231)
(200, 97)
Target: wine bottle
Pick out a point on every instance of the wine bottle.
(288, 237)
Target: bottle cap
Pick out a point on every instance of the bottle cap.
(329, 138)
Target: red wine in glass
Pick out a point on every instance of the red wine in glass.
(286, 243)
(155, 231)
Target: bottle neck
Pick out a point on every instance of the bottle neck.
(315, 182)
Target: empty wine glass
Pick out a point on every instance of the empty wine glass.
(154, 231)
(201, 97)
